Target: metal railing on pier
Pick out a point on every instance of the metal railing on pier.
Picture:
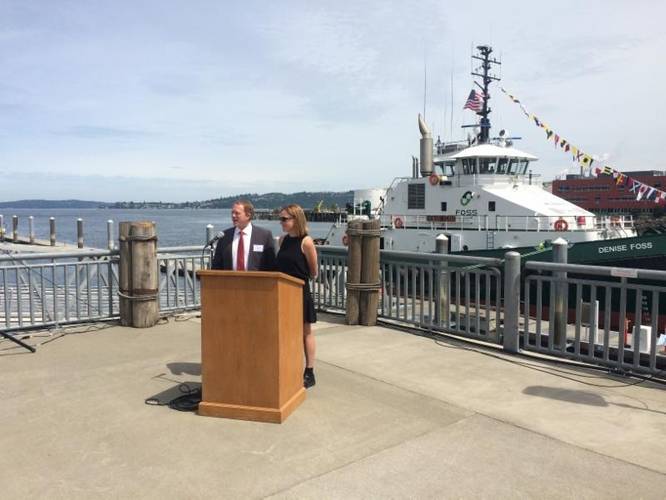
(592, 314)
(50, 289)
(179, 286)
(601, 315)
(456, 294)
(329, 286)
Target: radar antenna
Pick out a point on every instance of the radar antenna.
(483, 72)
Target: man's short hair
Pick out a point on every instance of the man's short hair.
(248, 207)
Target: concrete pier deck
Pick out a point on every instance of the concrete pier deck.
(393, 415)
(23, 245)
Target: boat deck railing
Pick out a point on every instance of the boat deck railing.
(506, 223)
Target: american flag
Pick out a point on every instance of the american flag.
(474, 101)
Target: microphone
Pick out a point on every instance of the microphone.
(214, 239)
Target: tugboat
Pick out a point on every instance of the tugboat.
(480, 193)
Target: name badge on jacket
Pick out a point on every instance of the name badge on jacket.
(257, 248)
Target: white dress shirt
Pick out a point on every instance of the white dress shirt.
(247, 235)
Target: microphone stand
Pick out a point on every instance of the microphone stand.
(203, 251)
(207, 245)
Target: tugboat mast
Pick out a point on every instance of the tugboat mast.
(483, 72)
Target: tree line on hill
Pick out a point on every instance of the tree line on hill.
(319, 201)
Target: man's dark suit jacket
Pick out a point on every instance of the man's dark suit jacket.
(263, 260)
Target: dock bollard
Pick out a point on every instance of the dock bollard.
(511, 340)
(560, 250)
(109, 234)
(138, 279)
(353, 271)
(52, 231)
(442, 306)
(369, 299)
(14, 228)
(31, 229)
(79, 233)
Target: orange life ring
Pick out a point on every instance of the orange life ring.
(434, 179)
(397, 222)
(345, 239)
(561, 225)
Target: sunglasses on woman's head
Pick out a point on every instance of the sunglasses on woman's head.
(285, 219)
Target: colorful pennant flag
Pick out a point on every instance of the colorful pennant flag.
(641, 190)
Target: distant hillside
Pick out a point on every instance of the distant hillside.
(276, 200)
(308, 200)
(52, 204)
(326, 200)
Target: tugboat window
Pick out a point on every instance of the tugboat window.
(469, 166)
(523, 167)
(487, 165)
(513, 167)
(416, 196)
(443, 206)
(502, 165)
(491, 206)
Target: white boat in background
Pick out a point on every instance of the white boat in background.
(480, 193)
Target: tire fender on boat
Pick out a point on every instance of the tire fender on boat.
(345, 239)
(397, 223)
(561, 225)
(434, 179)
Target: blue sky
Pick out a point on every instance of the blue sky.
(174, 101)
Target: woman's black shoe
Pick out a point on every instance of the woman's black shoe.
(308, 379)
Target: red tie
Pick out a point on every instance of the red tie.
(240, 256)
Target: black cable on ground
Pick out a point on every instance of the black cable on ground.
(189, 401)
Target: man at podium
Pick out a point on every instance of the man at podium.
(244, 247)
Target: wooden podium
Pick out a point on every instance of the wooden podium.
(251, 345)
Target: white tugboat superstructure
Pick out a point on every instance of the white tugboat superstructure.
(481, 194)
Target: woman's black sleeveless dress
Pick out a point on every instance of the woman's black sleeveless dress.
(291, 260)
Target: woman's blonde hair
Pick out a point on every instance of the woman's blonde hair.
(300, 222)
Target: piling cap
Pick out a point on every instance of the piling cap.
(442, 237)
(559, 241)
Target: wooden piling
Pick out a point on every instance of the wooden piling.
(370, 273)
(31, 230)
(79, 233)
(14, 228)
(52, 231)
(109, 234)
(124, 266)
(353, 270)
(139, 293)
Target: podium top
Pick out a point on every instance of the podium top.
(250, 274)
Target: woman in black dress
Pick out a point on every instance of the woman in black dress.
(297, 257)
